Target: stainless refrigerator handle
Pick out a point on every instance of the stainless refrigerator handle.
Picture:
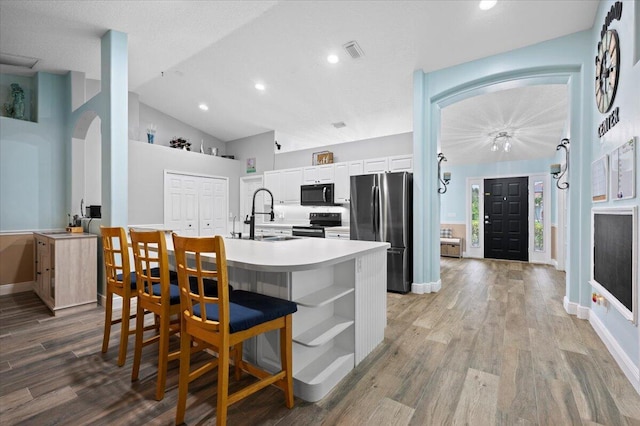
(324, 194)
(376, 212)
(373, 210)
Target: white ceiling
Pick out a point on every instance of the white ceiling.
(534, 117)
(215, 51)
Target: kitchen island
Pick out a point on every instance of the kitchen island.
(340, 288)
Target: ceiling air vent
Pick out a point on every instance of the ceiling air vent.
(17, 60)
(353, 49)
(339, 125)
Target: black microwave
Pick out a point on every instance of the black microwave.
(317, 195)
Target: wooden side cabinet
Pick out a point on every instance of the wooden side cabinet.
(66, 271)
(451, 247)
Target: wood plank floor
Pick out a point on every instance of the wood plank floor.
(493, 347)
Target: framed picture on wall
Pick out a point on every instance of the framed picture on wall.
(623, 171)
(599, 179)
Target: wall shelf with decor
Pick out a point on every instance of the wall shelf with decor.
(18, 97)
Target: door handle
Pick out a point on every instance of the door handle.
(486, 222)
(324, 194)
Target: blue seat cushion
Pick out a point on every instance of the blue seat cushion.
(210, 286)
(248, 309)
(155, 272)
(174, 293)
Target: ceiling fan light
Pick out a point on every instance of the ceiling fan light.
(507, 146)
(494, 146)
(487, 4)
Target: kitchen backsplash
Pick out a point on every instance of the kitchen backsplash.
(295, 214)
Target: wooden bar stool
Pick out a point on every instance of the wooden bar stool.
(225, 321)
(158, 295)
(121, 281)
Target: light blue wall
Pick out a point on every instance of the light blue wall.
(627, 99)
(33, 161)
(453, 202)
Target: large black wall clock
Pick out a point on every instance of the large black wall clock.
(607, 70)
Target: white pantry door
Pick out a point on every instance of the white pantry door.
(195, 205)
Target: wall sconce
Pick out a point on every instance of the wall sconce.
(444, 179)
(278, 146)
(556, 169)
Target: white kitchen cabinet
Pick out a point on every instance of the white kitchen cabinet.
(401, 163)
(356, 168)
(291, 181)
(284, 184)
(343, 173)
(273, 182)
(396, 163)
(341, 188)
(376, 165)
(66, 271)
(337, 235)
(318, 174)
(266, 230)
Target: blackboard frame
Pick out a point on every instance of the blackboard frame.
(631, 313)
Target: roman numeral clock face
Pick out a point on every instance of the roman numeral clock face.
(607, 67)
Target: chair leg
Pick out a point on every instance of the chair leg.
(163, 356)
(237, 360)
(137, 353)
(223, 384)
(286, 358)
(183, 381)
(124, 330)
(107, 322)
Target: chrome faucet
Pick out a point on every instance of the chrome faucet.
(252, 220)
(235, 234)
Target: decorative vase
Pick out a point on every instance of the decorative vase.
(150, 137)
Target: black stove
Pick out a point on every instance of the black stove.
(317, 223)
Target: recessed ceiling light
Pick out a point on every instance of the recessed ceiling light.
(333, 59)
(487, 4)
(259, 86)
(203, 107)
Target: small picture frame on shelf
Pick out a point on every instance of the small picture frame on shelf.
(322, 157)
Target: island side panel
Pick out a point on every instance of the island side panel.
(263, 350)
(370, 303)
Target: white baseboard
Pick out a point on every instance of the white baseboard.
(16, 288)
(422, 288)
(584, 312)
(627, 365)
(572, 308)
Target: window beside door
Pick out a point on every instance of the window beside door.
(538, 215)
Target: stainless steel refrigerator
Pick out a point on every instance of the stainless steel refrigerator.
(382, 210)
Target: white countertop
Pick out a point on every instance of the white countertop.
(63, 235)
(298, 254)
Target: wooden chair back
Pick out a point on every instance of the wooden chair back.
(190, 268)
(116, 258)
(149, 253)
